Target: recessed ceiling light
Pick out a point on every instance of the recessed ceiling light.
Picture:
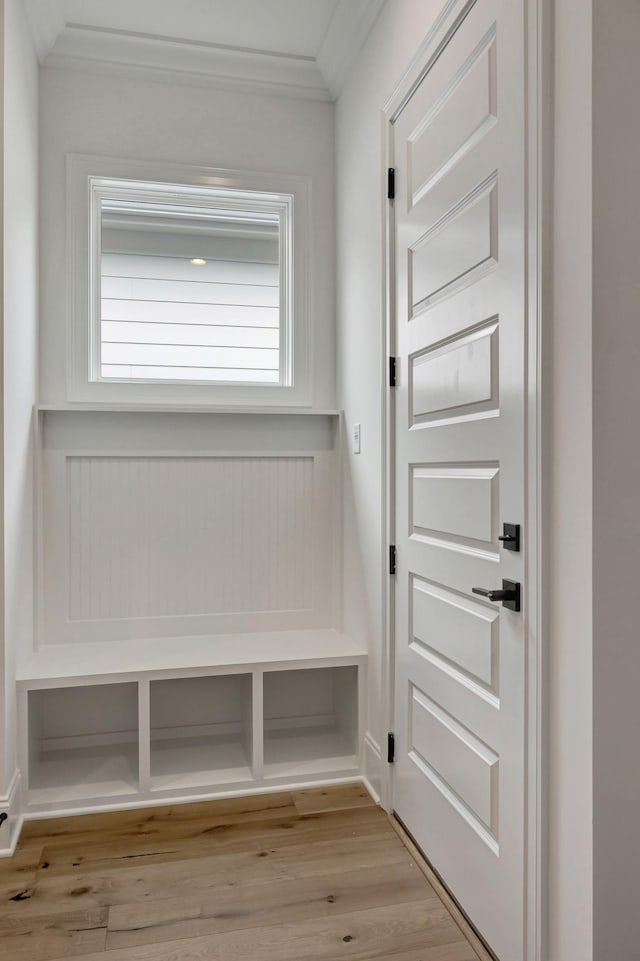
(197, 262)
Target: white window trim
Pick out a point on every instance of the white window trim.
(281, 205)
(84, 174)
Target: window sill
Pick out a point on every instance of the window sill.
(182, 409)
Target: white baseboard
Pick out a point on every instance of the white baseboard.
(11, 828)
(372, 768)
(149, 801)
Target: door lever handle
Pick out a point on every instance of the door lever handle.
(509, 594)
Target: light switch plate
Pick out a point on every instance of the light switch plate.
(355, 439)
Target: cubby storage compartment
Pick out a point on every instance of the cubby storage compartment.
(83, 742)
(310, 721)
(201, 731)
(155, 721)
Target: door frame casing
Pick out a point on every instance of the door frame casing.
(538, 20)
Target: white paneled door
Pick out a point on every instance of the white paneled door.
(458, 147)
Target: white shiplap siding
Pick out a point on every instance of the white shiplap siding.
(164, 319)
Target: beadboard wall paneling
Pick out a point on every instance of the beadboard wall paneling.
(170, 536)
(152, 543)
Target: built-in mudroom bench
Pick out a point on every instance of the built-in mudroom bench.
(201, 717)
(189, 610)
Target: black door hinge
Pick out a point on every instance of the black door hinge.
(391, 183)
(392, 371)
(392, 559)
(391, 748)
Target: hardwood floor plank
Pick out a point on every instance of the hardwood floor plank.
(340, 798)
(193, 878)
(318, 875)
(44, 938)
(207, 839)
(370, 935)
(454, 951)
(17, 874)
(165, 820)
(253, 905)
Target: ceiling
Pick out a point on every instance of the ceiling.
(298, 48)
(284, 26)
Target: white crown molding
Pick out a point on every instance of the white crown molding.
(46, 23)
(348, 30)
(188, 62)
(176, 60)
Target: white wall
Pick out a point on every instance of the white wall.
(20, 219)
(399, 31)
(616, 476)
(142, 120)
(569, 414)
(394, 40)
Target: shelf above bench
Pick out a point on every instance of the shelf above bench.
(183, 409)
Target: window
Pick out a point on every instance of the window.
(190, 294)
(193, 285)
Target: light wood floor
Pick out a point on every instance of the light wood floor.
(309, 876)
